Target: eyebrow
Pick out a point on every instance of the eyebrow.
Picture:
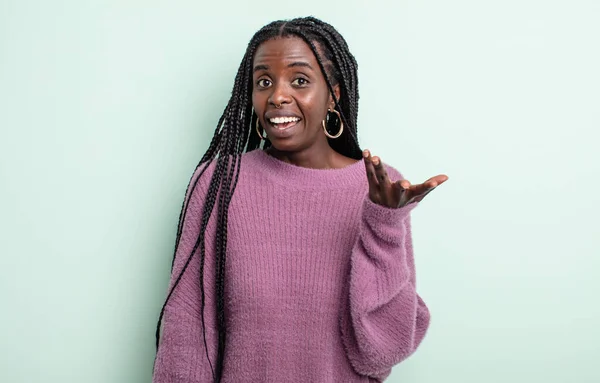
(294, 64)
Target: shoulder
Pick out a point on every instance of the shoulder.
(200, 181)
(202, 176)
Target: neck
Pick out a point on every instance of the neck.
(321, 157)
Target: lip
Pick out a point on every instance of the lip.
(280, 113)
(274, 132)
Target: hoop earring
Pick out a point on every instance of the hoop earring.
(326, 122)
(258, 130)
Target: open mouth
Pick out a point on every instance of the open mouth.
(283, 123)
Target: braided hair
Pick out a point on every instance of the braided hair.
(233, 136)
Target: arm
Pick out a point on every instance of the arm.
(385, 320)
(181, 355)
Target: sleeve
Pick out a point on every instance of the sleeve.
(182, 356)
(384, 319)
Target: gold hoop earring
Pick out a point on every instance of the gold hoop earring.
(326, 122)
(258, 130)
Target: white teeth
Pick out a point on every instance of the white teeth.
(283, 120)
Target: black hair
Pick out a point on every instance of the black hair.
(235, 135)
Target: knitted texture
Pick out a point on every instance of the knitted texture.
(320, 282)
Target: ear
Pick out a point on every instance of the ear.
(336, 91)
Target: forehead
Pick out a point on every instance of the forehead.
(284, 50)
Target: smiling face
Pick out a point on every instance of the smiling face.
(287, 75)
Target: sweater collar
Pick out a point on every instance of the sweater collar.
(308, 178)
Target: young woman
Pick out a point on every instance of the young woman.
(294, 258)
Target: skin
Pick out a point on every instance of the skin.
(287, 81)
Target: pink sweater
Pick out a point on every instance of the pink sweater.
(320, 282)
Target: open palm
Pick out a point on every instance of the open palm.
(395, 194)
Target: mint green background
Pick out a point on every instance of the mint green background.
(105, 107)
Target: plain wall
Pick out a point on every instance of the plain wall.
(106, 107)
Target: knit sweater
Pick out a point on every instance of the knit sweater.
(319, 281)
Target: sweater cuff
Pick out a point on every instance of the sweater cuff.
(373, 212)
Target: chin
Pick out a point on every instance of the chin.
(285, 146)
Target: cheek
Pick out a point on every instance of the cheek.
(260, 99)
(255, 101)
(314, 106)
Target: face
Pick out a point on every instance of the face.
(287, 74)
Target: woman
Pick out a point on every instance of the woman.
(293, 260)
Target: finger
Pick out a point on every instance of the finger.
(385, 186)
(432, 183)
(419, 197)
(422, 195)
(422, 188)
(437, 180)
(399, 193)
(416, 193)
(420, 191)
(371, 177)
(405, 192)
(381, 173)
(405, 184)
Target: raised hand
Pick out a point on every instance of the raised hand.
(395, 194)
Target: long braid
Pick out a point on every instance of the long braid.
(350, 121)
(208, 156)
(231, 159)
(312, 29)
(234, 136)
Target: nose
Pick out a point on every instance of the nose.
(280, 95)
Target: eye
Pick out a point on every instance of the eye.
(300, 81)
(263, 83)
